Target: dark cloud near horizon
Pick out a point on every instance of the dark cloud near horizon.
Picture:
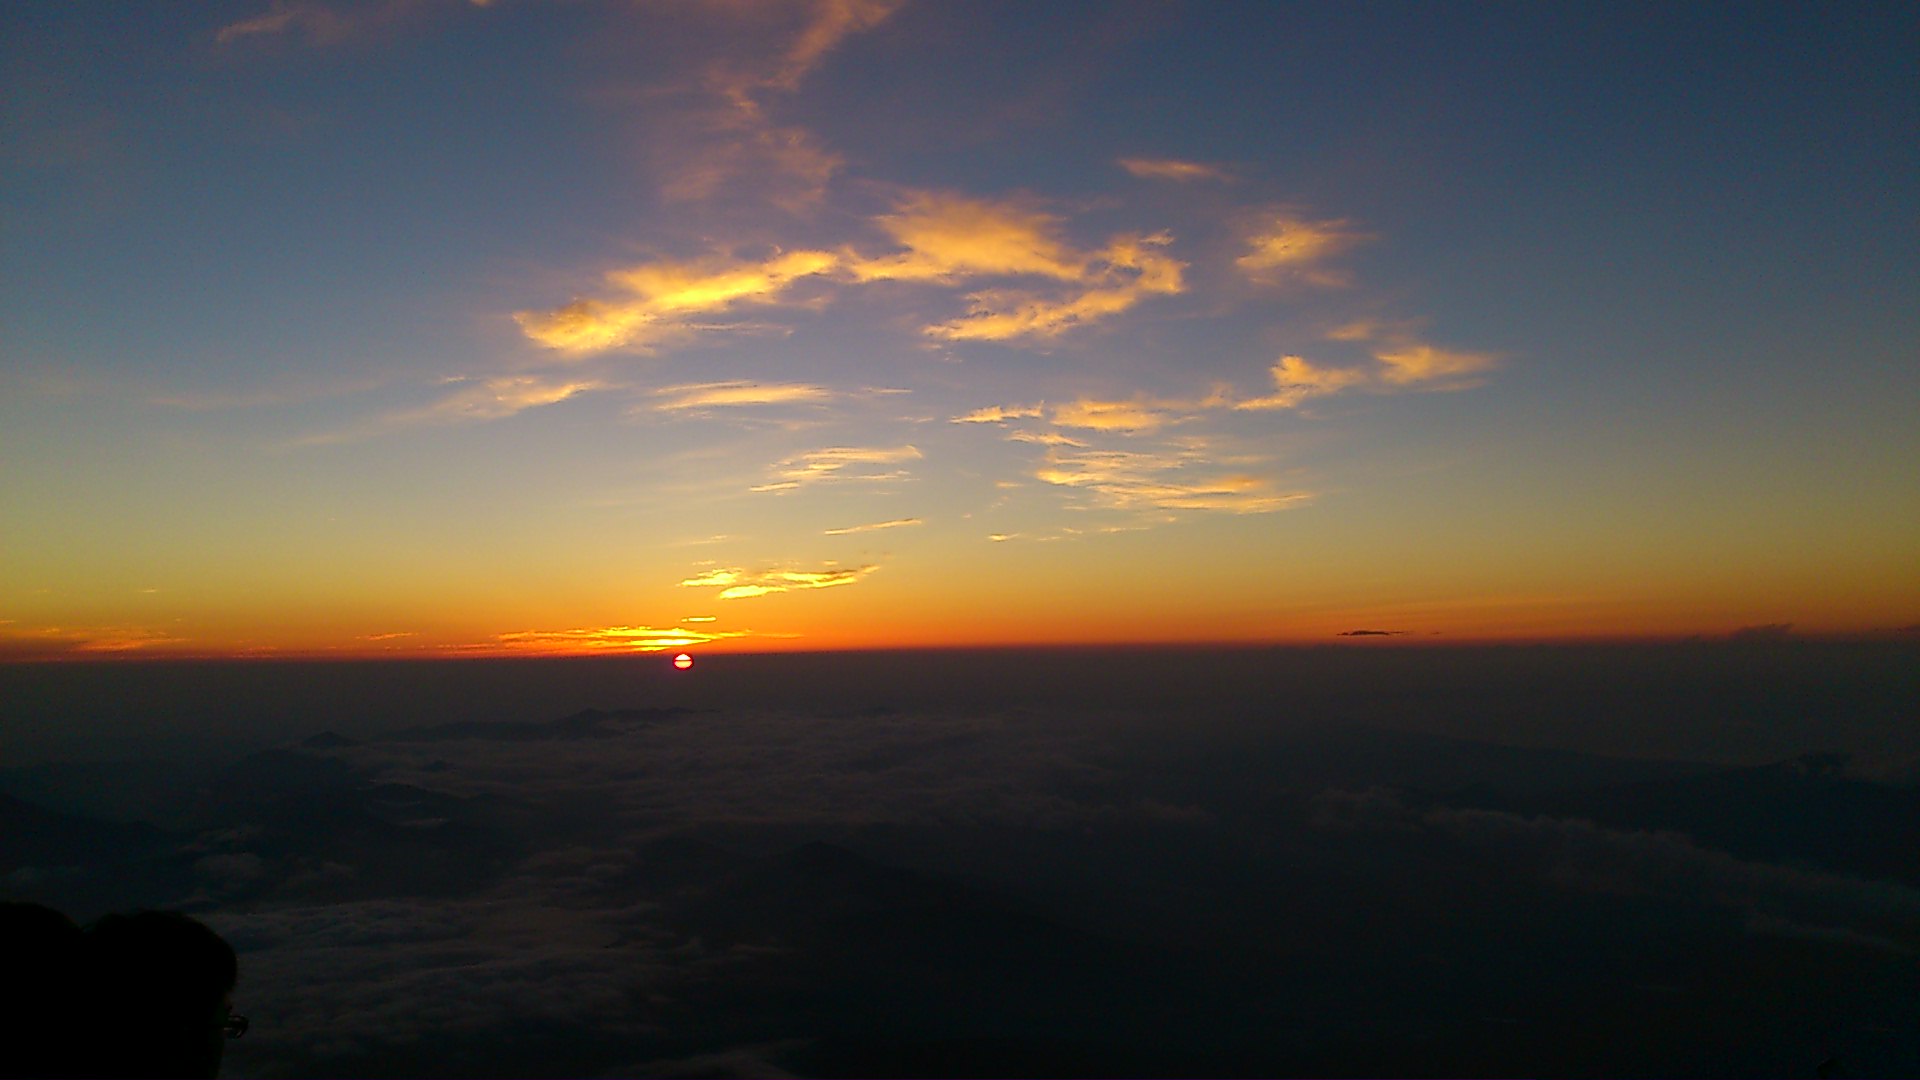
(1763, 632)
(1370, 633)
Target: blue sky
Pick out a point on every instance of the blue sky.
(1602, 322)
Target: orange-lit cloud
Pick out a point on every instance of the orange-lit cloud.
(1127, 271)
(840, 463)
(1286, 248)
(664, 300)
(999, 414)
(55, 641)
(894, 524)
(949, 238)
(1359, 330)
(1409, 363)
(1171, 169)
(1399, 363)
(613, 639)
(721, 394)
(739, 584)
(1140, 414)
(1176, 480)
(1296, 379)
(1044, 438)
(942, 239)
(1137, 414)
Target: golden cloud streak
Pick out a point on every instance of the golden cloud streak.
(1133, 415)
(1131, 480)
(835, 463)
(944, 239)
(738, 584)
(1141, 414)
(1296, 379)
(495, 398)
(1127, 271)
(894, 524)
(723, 394)
(614, 639)
(998, 414)
(70, 640)
(1043, 438)
(663, 299)
(1415, 363)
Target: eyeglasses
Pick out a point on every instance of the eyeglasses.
(233, 1026)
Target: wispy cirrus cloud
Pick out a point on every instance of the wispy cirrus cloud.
(695, 396)
(896, 523)
(729, 139)
(498, 397)
(1137, 414)
(1182, 478)
(474, 399)
(831, 22)
(1173, 169)
(836, 463)
(736, 583)
(1044, 438)
(320, 25)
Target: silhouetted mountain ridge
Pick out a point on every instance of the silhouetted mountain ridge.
(35, 836)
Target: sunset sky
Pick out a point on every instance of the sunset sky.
(438, 328)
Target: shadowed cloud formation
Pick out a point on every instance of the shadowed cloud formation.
(860, 888)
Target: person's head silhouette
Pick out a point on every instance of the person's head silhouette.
(163, 984)
(43, 961)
